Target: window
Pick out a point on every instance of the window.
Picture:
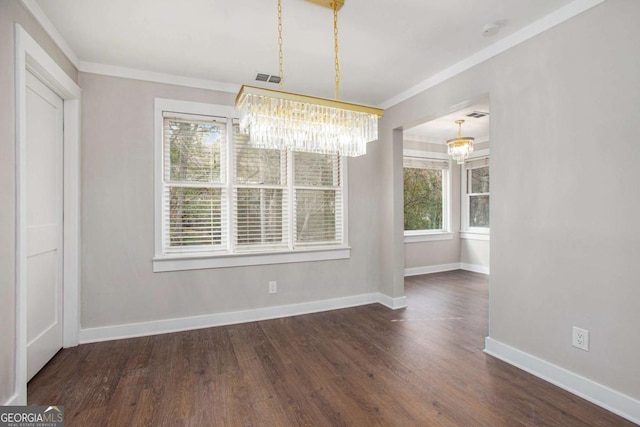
(426, 196)
(318, 204)
(476, 195)
(194, 185)
(222, 202)
(259, 197)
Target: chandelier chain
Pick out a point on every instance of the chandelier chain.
(280, 56)
(335, 38)
(275, 119)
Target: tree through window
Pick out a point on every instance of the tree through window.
(425, 191)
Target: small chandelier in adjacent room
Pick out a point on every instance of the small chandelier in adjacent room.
(279, 120)
(461, 146)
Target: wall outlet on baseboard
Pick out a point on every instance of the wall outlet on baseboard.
(273, 287)
(580, 338)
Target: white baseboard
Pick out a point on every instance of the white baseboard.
(107, 333)
(392, 303)
(475, 268)
(15, 400)
(416, 271)
(611, 400)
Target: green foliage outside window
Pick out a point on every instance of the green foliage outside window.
(422, 199)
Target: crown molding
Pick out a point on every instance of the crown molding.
(520, 36)
(414, 137)
(34, 8)
(152, 76)
(555, 18)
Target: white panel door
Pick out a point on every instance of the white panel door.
(44, 224)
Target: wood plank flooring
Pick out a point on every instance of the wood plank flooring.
(362, 366)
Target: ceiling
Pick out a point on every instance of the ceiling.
(386, 47)
(440, 130)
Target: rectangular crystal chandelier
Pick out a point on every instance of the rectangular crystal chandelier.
(284, 120)
(277, 119)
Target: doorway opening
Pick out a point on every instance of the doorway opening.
(446, 203)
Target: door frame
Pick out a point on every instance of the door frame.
(33, 58)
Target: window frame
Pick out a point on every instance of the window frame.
(467, 232)
(191, 260)
(445, 233)
(223, 185)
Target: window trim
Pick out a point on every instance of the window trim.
(416, 236)
(475, 235)
(209, 260)
(194, 260)
(445, 233)
(466, 232)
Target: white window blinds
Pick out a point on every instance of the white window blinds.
(194, 194)
(477, 194)
(318, 199)
(424, 163)
(477, 163)
(221, 195)
(260, 196)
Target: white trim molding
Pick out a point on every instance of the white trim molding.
(416, 271)
(31, 57)
(429, 269)
(470, 235)
(191, 262)
(12, 401)
(555, 18)
(474, 268)
(426, 154)
(392, 303)
(34, 8)
(152, 76)
(131, 330)
(416, 237)
(601, 395)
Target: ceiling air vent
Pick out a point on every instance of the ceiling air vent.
(477, 114)
(267, 78)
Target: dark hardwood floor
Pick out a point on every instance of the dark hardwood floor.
(363, 366)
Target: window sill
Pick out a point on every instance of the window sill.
(474, 235)
(427, 236)
(180, 262)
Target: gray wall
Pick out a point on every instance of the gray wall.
(475, 252)
(558, 258)
(11, 11)
(118, 285)
(564, 165)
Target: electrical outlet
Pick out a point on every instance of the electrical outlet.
(273, 287)
(580, 338)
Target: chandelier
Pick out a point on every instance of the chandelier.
(461, 146)
(284, 120)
